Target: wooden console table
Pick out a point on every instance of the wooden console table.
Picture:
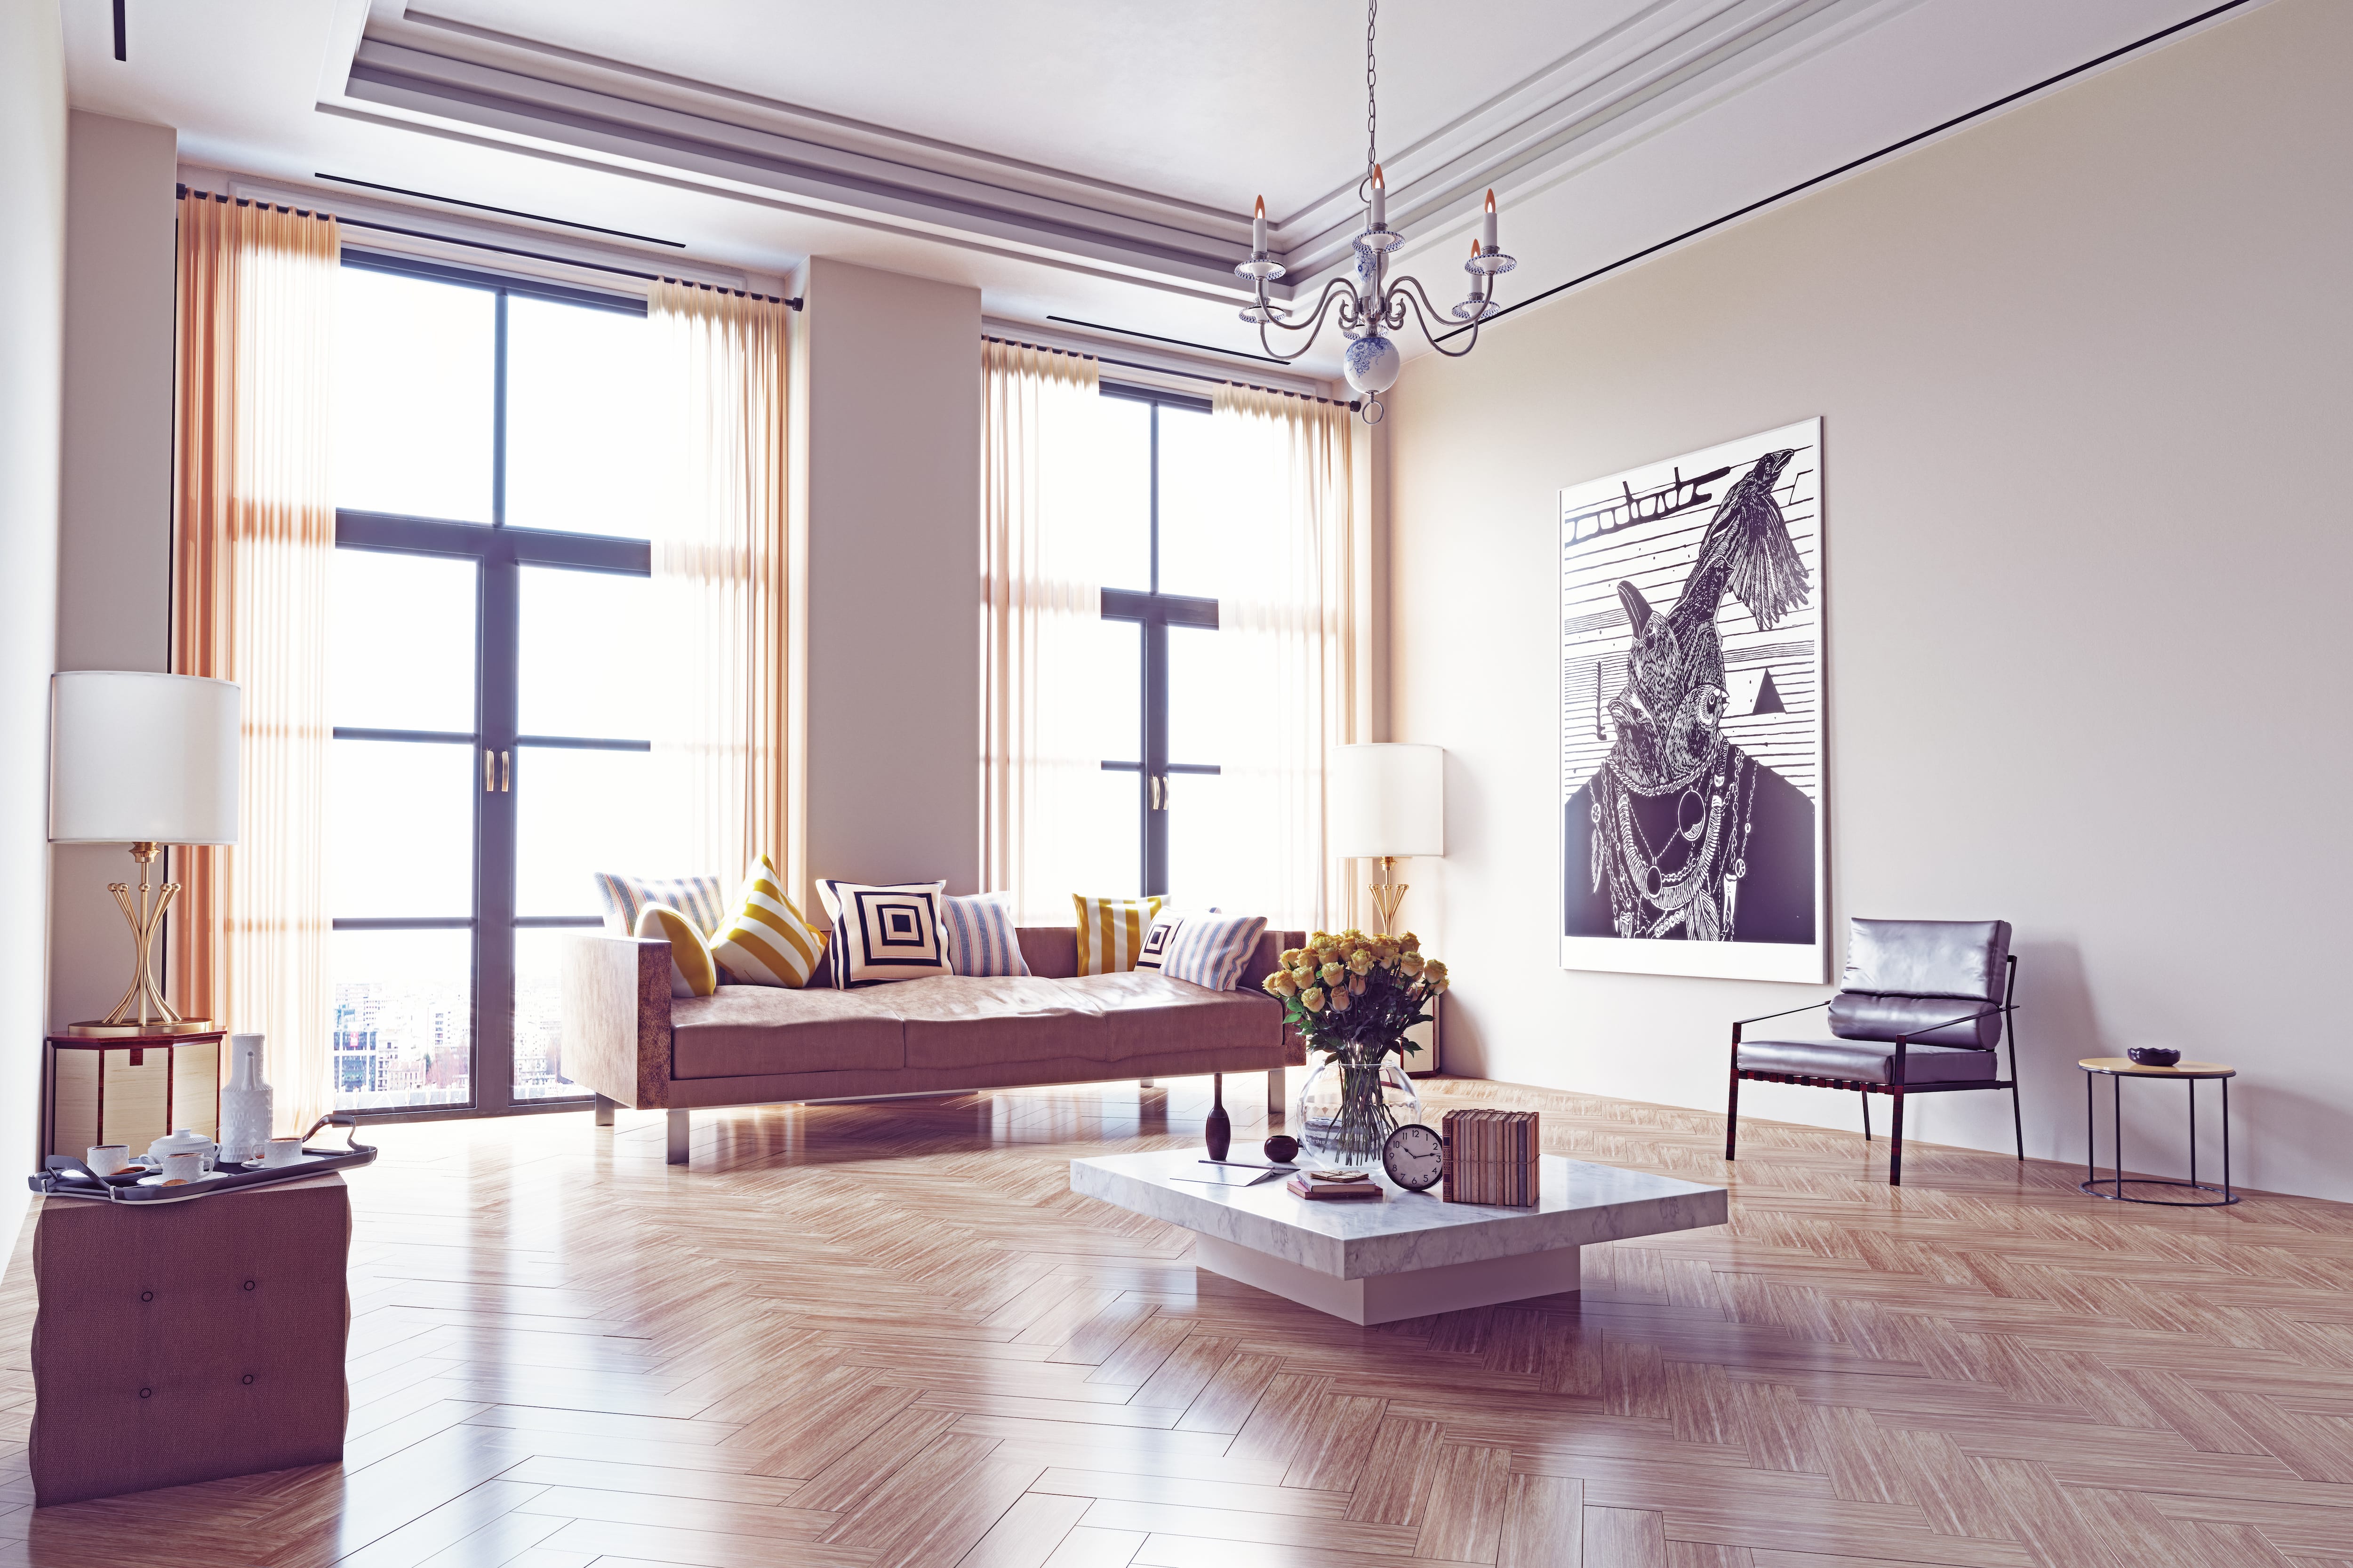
(179, 1343)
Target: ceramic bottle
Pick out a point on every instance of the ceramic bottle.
(247, 1111)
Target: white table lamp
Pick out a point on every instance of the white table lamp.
(143, 759)
(1388, 801)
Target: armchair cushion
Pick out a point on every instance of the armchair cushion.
(1853, 1063)
(1928, 958)
(1874, 1016)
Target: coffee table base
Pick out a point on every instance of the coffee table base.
(1386, 1297)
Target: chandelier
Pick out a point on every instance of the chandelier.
(1370, 306)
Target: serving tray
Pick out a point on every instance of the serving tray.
(64, 1176)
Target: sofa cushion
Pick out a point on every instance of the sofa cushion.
(750, 1030)
(1855, 1063)
(964, 1021)
(1921, 1020)
(1148, 1014)
(1928, 958)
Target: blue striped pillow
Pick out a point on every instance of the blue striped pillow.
(1212, 950)
(699, 899)
(981, 935)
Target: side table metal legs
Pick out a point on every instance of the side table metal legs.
(2112, 1185)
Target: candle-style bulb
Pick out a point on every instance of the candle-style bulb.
(1487, 226)
(1380, 199)
(1258, 228)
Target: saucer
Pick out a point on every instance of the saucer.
(160, 1180)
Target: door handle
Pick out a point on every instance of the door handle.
(1159, 792)
(489, 772)
(506, 772)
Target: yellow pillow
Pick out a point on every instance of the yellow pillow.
(693, 970)
(1111, 931)
(767, 942)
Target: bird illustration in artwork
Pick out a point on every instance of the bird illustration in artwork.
(1678, 816)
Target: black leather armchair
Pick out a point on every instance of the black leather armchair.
(1923, 1008)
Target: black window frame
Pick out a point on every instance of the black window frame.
(499, 555)
(1155, 612)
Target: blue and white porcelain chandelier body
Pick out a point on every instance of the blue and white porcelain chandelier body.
(1370, 306)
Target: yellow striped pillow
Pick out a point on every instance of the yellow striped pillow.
(767, 942)
(1111, 931)
(693, 972)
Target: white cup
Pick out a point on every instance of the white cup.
(281, 1152)
(106, 1159)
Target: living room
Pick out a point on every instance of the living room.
(901, 790)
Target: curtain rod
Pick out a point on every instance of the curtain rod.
(792, 304)
(1164, 370)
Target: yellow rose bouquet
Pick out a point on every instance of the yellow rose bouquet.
(1353, 997)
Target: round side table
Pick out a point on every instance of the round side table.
(2117, 1070)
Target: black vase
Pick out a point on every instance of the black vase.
(1220, 1131)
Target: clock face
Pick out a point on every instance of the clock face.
(1414, 1156)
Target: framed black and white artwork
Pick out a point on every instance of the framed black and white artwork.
(1693, 838)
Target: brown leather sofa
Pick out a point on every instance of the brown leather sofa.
(627, 1038)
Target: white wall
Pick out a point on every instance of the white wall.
(32, 313)
(890, 391)
(2084, 370)
(114, 552)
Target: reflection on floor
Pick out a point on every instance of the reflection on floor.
(888, 1334)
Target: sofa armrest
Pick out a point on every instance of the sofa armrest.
(1266, 956)
(615, 1012)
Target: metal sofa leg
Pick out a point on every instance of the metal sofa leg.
(1144, 1083)
(605, 1110)
(678, 1137)
(1866, 1116)
(1275, 1080)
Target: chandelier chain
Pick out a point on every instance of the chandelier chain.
(1372, 87)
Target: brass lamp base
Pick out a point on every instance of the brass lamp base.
(142, 1010)
(1386, 897)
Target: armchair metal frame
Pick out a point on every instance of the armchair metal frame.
(1895, 1088)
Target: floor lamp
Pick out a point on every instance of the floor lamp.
(148, 761)
(1388, 801)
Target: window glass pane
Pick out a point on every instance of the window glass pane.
(578, 813)
(1207, 506)
(584, 419)
(538, 1021)
(1206, 694)
(404, 1018)
(1203, 844)
(1101, 839)
(416, 364)
(421, 605)
(1097, 473)
(401, 828)
(582, 672)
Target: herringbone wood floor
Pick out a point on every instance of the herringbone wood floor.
(889, 1334)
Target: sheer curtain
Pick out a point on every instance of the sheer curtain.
(254, 537)
(1292, 652)
(1041, 589)
(722, 583)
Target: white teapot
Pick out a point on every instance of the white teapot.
(182, 1156)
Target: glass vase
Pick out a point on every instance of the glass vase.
(1350, 1103)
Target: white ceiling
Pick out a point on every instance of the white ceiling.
(1077, 158)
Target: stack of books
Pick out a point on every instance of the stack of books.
(1490, 1158)
(1341, 1186)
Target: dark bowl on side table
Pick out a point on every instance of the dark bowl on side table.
(2153, 1056)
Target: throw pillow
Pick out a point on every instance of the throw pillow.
(1213, 950)
(1111, 931)
(1163, 932)
(696, 898)
(766, 943)
(982, 938)
(693, 970)
(885, 933)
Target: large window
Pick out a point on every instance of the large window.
(491, 720)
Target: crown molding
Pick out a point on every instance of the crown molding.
(1669, 62)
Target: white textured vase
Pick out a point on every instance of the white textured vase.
(247, 1112)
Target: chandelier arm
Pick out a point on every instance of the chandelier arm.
(1312, 326)
(1422, 315)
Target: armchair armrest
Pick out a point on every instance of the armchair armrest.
(1786, 1012)
(614, 1006)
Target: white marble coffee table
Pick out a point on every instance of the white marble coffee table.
(1410, 1254)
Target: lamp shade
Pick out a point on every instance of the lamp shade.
(136, 758)
(1388, 800)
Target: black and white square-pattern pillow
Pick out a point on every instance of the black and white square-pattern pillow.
(885, 933)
